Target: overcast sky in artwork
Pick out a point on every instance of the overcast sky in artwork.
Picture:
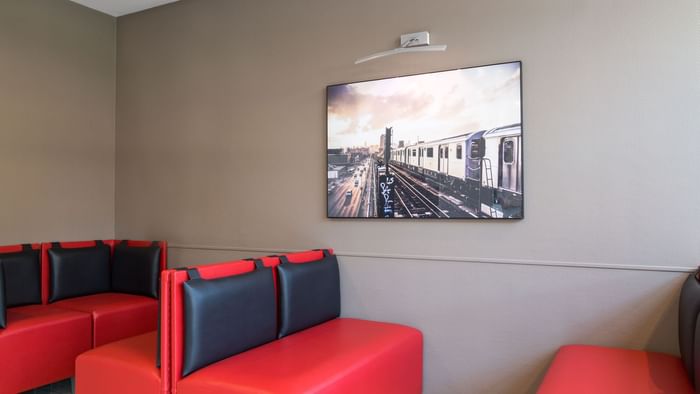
(424, 107)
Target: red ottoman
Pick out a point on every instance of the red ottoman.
(126, 366)
(581, 369)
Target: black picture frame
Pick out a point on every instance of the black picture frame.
(426, 179)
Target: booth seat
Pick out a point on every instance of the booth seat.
(38, 343)
(41, 339)
(341, 355)
(584, 369)
(114, 315)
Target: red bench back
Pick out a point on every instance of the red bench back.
(164, 351)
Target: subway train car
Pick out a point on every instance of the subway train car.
(486, 165)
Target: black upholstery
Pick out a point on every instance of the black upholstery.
(3, 311)
(688, 313)
(227, 316)
(78, 271)
(309, 293)
(135, 269)
(22, 277)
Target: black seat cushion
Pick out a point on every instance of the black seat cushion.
(3, 311)
(135, 269)
(227, 316)
(309, 293)
(22, 277)
(79, 271)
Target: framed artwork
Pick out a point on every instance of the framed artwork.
(439, 145)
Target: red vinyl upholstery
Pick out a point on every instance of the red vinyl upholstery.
(39, 346)
(129, 365)
(340, 356)
(16, 248)
(126, 366)
(115, 315)
(582, 369)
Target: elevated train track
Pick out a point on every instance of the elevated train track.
(418, 199)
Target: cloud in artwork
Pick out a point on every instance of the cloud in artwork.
(424, 107)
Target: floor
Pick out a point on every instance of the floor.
(62, 387)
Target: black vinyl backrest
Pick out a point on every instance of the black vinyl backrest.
(227, 316)
(309, 293)
(79, 271)
(22, 272)
(135, 269)
(688, 313)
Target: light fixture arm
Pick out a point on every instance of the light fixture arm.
(411, 42)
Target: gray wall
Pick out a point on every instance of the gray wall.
(57, 121)
(220, 150)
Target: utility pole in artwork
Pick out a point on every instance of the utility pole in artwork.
(385, 199)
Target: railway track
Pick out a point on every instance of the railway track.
(418, 200)
(414, 201)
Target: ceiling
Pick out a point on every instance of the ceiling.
(122, 7)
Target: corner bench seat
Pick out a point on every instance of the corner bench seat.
(125, 366)
(40, 344)
(340, 356)
(115, 315)
(582, 369)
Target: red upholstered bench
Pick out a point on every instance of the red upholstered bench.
(115, 315)
(40, 341)
(582, 369)
(340, 356)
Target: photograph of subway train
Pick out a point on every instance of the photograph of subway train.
(441, 145)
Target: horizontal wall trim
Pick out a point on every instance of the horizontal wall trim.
(477, 260)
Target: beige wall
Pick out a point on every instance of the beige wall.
(220, 142)
(57, 99)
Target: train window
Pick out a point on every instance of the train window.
(414, 153)
(508, 152)
(447, 153)
(459, 151)
(478, 149)
(429, 152)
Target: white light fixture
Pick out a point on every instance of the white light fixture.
(411, 42)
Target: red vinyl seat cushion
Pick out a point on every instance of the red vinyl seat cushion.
(40, 344)
(579, 369)
(339, 356)
(125, 366)
(116, 315)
